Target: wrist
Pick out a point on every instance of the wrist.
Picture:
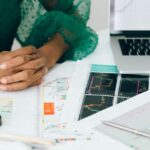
(54, 49)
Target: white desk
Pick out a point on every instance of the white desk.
(102, 55)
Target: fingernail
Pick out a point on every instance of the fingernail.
(3, 81)
(3, 88)
(3, 66)
(46, 70)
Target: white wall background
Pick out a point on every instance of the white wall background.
(99, 15)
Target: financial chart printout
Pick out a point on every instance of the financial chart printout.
(101, 87)
(132, 15)
(106, 88)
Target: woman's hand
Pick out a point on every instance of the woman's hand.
(29, 69)
(28, 74)
(8, 60)
(21, 54)
(22, 79)
(26, 68)
(18, 57)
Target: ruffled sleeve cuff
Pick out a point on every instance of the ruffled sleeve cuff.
(82, 39)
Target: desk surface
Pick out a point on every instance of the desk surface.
(102, 55)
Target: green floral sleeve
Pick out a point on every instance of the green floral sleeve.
(81, 9)
(68, 18)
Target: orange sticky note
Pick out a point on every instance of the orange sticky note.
(49, 109)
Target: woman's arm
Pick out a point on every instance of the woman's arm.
(27, 66)
(77, 8)
(54, 49)
(65, 24)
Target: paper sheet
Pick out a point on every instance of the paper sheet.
(13, 146)
(100, 87)
(132, 15)
(99, 141)
(124, 113)
(52, 98)
(24, 115)
(6, 106)
(137, 119)
(53, 93)
(24, 112)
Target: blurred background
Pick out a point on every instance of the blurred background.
(99, 15)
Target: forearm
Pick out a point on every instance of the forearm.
(54, 49)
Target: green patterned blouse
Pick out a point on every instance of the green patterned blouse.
(34, 22)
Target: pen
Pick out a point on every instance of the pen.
(24, 139)
(128, 129)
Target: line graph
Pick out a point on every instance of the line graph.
(101, 84)
(103, 88)
(131, 85)
(94, 104)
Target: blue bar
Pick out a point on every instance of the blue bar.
(104, 68)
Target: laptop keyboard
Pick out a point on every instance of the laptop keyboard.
(135, 47)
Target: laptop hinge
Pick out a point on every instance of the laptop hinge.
(136, 33)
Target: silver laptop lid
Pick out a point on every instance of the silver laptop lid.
(130, 16)
(112, 18)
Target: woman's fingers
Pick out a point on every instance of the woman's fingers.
(38, 82)
(27, 68)
(7, 72)
(20, 76)
(19, 60)
(34, 64)
(6, 56)
(38, 75)
(14, 86)
(23, 84)
(24, 51)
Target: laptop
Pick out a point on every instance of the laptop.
(130, 35)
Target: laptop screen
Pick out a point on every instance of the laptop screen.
(130, 15)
